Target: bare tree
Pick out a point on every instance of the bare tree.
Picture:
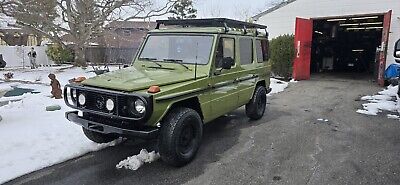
(82, 20)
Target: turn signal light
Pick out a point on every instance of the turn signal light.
(79, 79)
(154, 89)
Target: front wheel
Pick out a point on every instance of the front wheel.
(98, 137)
(256, 107)
(180, 137)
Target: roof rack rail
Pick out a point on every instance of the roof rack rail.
(213, 22)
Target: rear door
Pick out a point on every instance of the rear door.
(384, 47)
(302, 41)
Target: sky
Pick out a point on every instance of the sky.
(237, 9)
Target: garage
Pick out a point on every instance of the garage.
(356, 38)
(346, 45)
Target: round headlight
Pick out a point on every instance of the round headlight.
(140, 106)
(110, 105)
(82, 99)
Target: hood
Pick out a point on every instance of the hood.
(134, 79)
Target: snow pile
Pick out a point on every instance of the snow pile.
(384, 101)
(32, 138)
(5, 87)
(277, 86)
(391, 116)
(136, 161)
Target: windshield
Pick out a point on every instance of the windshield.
(185, 48)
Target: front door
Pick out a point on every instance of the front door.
(383, 52)
(303, 42)
(224, 96)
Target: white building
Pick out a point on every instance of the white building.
(337, 35)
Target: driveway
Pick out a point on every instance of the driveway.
(288, 146)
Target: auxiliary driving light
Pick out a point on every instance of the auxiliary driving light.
(82, 99)
(110, 105)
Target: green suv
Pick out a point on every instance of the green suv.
(186, 74)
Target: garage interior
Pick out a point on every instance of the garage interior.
(347, 45)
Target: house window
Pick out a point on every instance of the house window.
(126, 33)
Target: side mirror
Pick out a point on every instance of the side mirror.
(227, 63)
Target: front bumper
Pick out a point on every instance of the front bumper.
(107, 129)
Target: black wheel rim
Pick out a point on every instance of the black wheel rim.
(187, 139)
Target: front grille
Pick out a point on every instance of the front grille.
(96, 101)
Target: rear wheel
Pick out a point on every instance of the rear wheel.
(256, 107)
(180, 136)
(98, 137)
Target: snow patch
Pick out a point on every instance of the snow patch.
(277, 86)
(136, 161)
(32, 138)
(391, 116)
(5, 87)
(384, 101)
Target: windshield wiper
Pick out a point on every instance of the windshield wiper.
(177, 61)
(154, 60)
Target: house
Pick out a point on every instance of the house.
(119, 42)
(340, 36)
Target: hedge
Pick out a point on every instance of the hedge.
(282, 53)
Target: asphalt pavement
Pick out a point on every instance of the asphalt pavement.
(288, 146)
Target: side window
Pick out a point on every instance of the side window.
(226, 49)
(246, 51)
(262, 50)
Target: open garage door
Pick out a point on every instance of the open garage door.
(303, 43)
(384, 49)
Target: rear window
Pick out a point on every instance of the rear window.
(262, 51)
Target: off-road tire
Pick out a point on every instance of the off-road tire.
(98, 137)
(180, 136)
(255, 109)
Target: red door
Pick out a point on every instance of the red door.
(383, 53)
(302, 44)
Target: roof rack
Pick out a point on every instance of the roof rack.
(213, 22)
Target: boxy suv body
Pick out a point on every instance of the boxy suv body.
(183, 76)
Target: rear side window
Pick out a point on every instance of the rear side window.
(262, 51)
(246, 51)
